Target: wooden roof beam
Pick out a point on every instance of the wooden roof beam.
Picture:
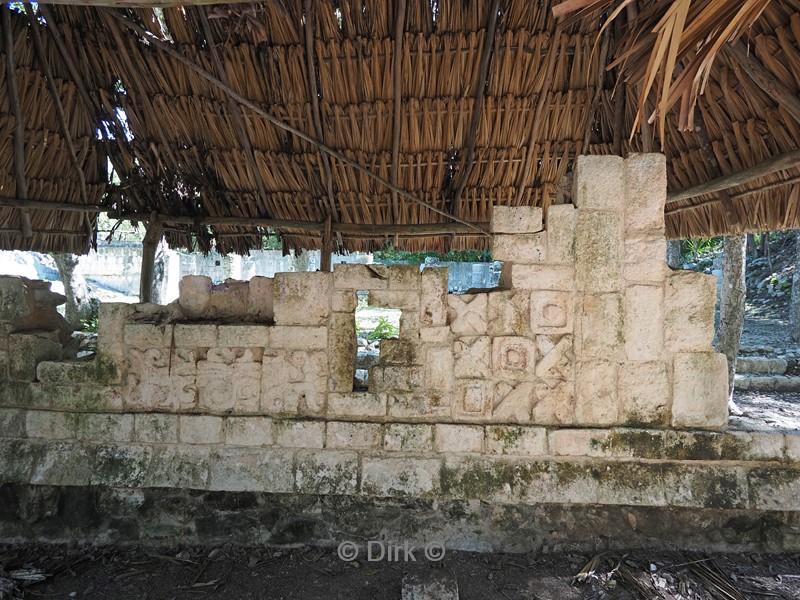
(398, 101)
(772, 165)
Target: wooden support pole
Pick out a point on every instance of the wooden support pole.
(166, 48)
(397, 122)
(152, 237)
(781, 162)
(19, 120)
(480, 92)
(327, 247)
(744, 61)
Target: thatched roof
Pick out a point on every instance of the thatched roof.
(190, 106)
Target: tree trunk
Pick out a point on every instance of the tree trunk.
(794, 307)
(78, 306)
(159, 273)
(731, 306)
(674, 254)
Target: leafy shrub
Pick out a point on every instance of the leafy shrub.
(383, 330)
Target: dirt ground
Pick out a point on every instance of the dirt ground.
(247, 573)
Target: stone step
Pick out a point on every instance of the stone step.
(766, 383)
(761, 365)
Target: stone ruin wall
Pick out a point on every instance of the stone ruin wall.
(587, 378)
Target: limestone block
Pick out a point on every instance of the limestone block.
(793, 446)
(554, 402)
(156, 381)
(341, 434)
(646, 191)
(561, 222)
(27, 350)
(435, 335)
(361, 277)
(111, 319)
(194, 295)
(344, 301)
(356, 405)
(229, 385)
(252, 470)
(229, 299)
(394, 379)
(644, 322)
(244, 336)
(259, 299)
(12, 423)
(248, 431)
(13, 302)
(395, 351)
(700, 390)
(602, 326)
(294, 382)
(551, 312)
(404, 437)
(51, 425)
(599, 183)
(438, 368)
(302, 298)
(389, 299)
(516, 440)
(520, 248)
(644, 393)
(512, 403)
(509, 313)
(68, 372)
(300, 434)
(433, 297)
(555, 357)
(98, 427)
(342, 348)
(299, 338)
(146, 335)
(61, 463)
(579, 442)
(195, 336)
(689, 301)
(419, 405)
(513, 357)
(200, 429)
(155, 428)
(596, 398)
(516, 219)
(327, 473)
(458, 438)
(543, 277)
(475, 398)
(644, 259)
(404, 278)
(400, 477)
(473, 357)
(121, 466)
(598, 256)
(179, 467)
(467, 313)
(409, 324)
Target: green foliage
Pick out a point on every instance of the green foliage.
(383, 330)
(694, 249)
(392, 255)
(91, 321)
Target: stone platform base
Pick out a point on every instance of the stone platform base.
(167, 516)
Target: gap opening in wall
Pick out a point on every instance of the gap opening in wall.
(373, 324)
